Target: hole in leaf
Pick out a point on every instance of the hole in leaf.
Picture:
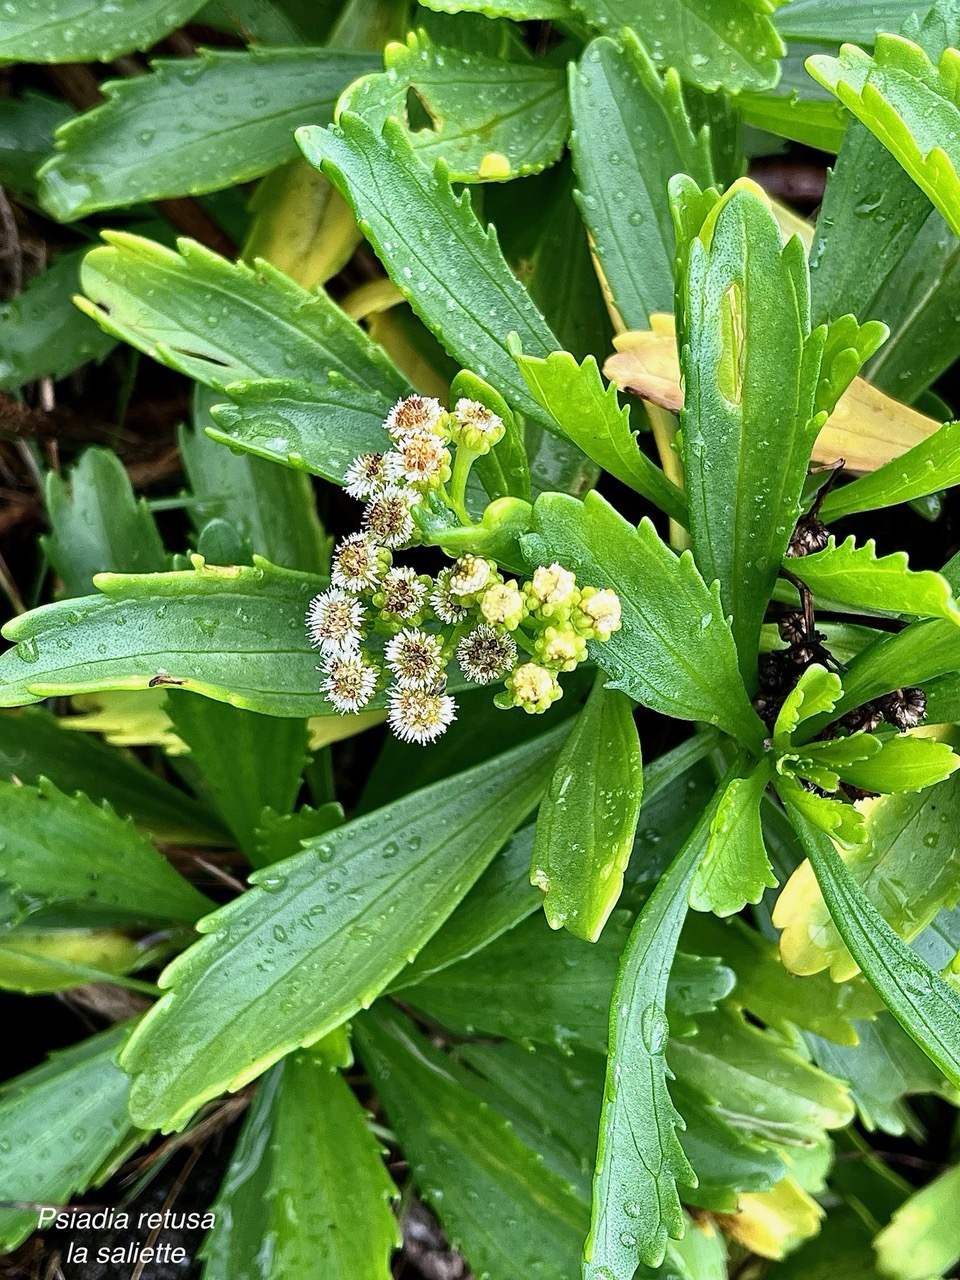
(419, 116)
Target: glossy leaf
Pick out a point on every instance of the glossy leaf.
(234, 634)
(489, 119)
(428, 238)
(83, 31)
(675, 652)
(517, 10)
(855, 577)
(27, 126)
(926, 1007)
(194, 125)
(716, 44)
(508, 1213)
(931, 465)
(857, 20)
(631, 133)
(65, 1128)
(306, 1188)
(735, 868)
(66, 862)
(590, 415)
(248, 992)
(43, 961)
(910, 104)
(588, 818)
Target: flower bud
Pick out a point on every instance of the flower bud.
(598, 615)
(503, 604)
(561, 648)
(475, 426)
(532, 687)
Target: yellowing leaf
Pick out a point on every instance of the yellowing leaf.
(772, 1223)
(867, 428)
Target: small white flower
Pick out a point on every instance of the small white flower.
(416, 658)
(469, 575)
(553, 585)
(387, 517)
(486, 654)
(350, 682)
(415, 413)
(444, 604)
(476, 426)
(335, 622)
(421, 458)
(416, 715)
(402, 592)
(365, 477)
(602, 612)
(358, 563)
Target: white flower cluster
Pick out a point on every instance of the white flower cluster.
(383, 625)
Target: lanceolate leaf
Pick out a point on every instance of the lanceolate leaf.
(735, 868)
(307, 1181)
(588, 818)
(447, 266)
(322, 934)
(926, 1007)
(490, 119)
(675, 651)
(84, 31)
(636, 1206)
(66, 862)
(498, 1202)
(910, 104)
(234, 634)
(931, 465)
(858, 579)
(631, 134)
(194, 125)
(590, 414)
(65, 1128)
(716, 44)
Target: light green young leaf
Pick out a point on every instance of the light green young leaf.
(715, 44)
(904, 763)
(910, 104)
(233, 634)
(841, 821)
(931, 465)
(636, 1206)
(855, 577)
(815, 123)
(65, 1128)
(675, 652)
(498, 1202)
(42, 334)
(445, 264)
(194, 125)
(590, 415)
(588, 818)
(66, 862)
(815, 693)
(42, 961)
(306, 1179)
(248, 762)
(926, 1007)
(922, 1238)
(735, 868)
(631, 134)
(489, 119)
(83, 31)
(303, 950)
(97, 525)
(516, 10)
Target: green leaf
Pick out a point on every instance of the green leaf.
(280, 836)
(193, 125)
(66, 862)
(631, 134)
(788, 115)
(932, 464)
(859, 21)
(65, 1128)
(590, 415)
(34, 745)
(233, 634)
(905, 763)
(749, 421)
(98, 525)
(517, 10)
(445, 264)
(247, 761)
(306, 1183)
(42, 334)
(675, 652)
(248, 992)
(509, 1214)
(841, 821)
(83, 31)
(856, 578)
(588, 818)
(27, 125)
(906, 870)
(926, 1007)
(909, 104)
(636, 1206)
(42, 961)
(922, 1238)
(816, 693)
(716, 44)
(488, 119)
(735, 868)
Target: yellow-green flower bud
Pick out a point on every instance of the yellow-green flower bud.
(475, 426)
(552, 592)
(503, 605)
(598, 615)
(533, 687)
(470, 577)
(561, 648)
